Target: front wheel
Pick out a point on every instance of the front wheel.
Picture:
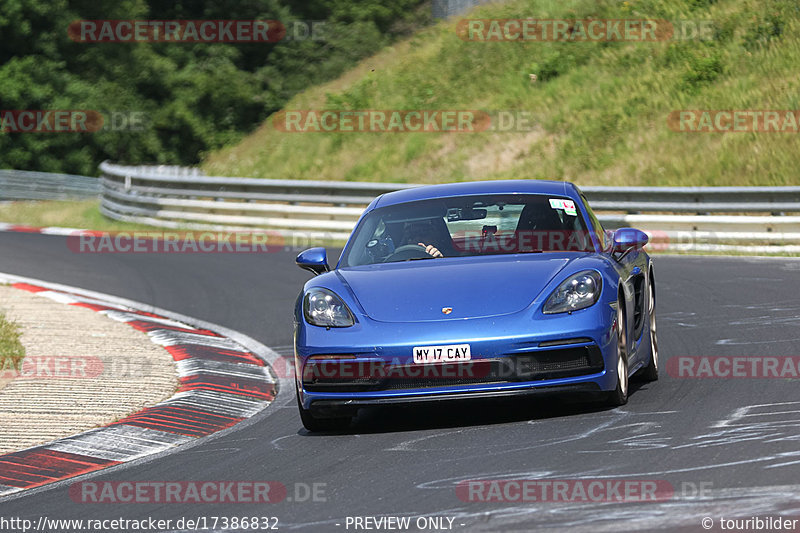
(619, 396)
(311, 423)
(650, 372)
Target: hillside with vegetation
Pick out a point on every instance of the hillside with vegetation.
(599, 109)
(172, 102)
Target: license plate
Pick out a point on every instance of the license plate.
(450, 353)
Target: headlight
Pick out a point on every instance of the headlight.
(576, 292)
(323, 308)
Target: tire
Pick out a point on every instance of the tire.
(311, 423)
(619, 396)
(650, 372)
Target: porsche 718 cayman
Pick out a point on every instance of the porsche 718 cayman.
(470, 290)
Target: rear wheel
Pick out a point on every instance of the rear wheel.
(619, 396)
(650, 372)
(311, 423)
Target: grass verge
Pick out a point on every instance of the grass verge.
(81, 214)
(11, 350)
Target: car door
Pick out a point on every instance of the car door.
(632, 269)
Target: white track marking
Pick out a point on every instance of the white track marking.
(122, 316)
(191, 367)
(134, 445)
(62, 231)
(221, 403)
(119, 443)
(165, 337)
(65, 298)
(6, 489)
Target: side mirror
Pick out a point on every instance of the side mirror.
(626, 239)
(315, 260)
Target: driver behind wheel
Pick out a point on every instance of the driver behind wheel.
(422, 234)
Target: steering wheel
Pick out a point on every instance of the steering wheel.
(406, 252)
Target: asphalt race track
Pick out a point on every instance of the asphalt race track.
(728, 447)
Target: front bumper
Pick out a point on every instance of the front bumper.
(516, 356)
(336, 407)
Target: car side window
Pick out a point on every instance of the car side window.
(602, 235)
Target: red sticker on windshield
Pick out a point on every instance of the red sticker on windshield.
(567, 205)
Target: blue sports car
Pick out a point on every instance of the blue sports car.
(472, 290)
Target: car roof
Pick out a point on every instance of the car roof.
(449, 190)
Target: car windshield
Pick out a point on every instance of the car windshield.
(468, 226)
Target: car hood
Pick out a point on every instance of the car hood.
(474, 288)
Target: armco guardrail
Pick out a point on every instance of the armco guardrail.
(26, 185)
(747, 219)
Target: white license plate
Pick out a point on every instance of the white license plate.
(450, 353)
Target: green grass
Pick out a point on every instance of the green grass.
(86, 214)
(600, 109)
(11, 350)
(83, 214)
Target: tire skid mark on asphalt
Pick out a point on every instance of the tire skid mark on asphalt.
(765, 423)
(409, 445)
(601, 517)
(616, 415)
(736, 342)
(778, 314)
(774, 422)
(768, 423)
(683, 511)
(221, 384)
(451, 482)
(787, 463)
